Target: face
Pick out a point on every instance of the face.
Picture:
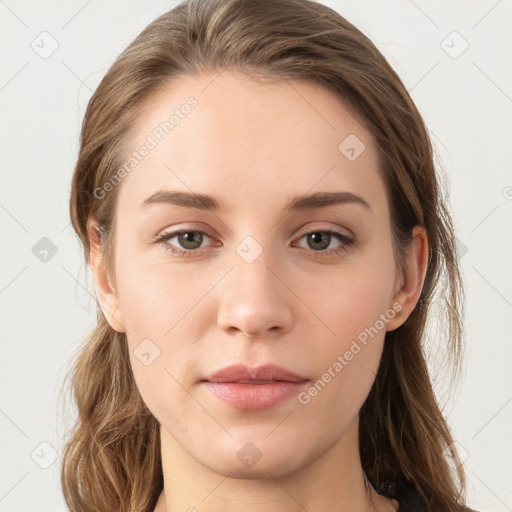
(315, 285)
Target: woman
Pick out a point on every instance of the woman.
(256, 195)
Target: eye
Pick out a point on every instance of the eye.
(320, 239)
(191, 241)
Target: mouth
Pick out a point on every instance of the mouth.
(254, 389)
(259, 381)
(254, 395)
(261, 374)
(258, 388)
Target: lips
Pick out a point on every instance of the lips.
(265, 374)
(254, 389)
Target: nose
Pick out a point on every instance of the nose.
(255, 300)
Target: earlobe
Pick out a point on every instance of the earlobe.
(106, 295)
(414, 278)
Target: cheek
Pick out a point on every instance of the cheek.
(346, 365)
(358, 325)
(156, 307)
(356, 306)
(356, 296)
(154, 295)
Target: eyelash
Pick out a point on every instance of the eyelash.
(346, 242)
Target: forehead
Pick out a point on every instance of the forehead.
(230, 136)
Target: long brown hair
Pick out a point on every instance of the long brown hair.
(111, 460)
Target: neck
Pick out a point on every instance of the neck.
(333, 481)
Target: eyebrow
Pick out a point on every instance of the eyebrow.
(209, 203)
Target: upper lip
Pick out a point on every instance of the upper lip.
(267, 372)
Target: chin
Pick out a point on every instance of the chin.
(255, 460)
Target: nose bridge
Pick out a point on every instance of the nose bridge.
(253, 268)
(253, 299)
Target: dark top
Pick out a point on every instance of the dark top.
(409, 500)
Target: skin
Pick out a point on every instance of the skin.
(253, 146)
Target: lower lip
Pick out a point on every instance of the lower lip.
(254, 396)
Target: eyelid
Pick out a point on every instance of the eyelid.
(173, 231)
(345, 231)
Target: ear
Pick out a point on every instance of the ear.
(409, 291)
(105, 293)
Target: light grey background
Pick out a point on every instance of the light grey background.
(48, 307)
